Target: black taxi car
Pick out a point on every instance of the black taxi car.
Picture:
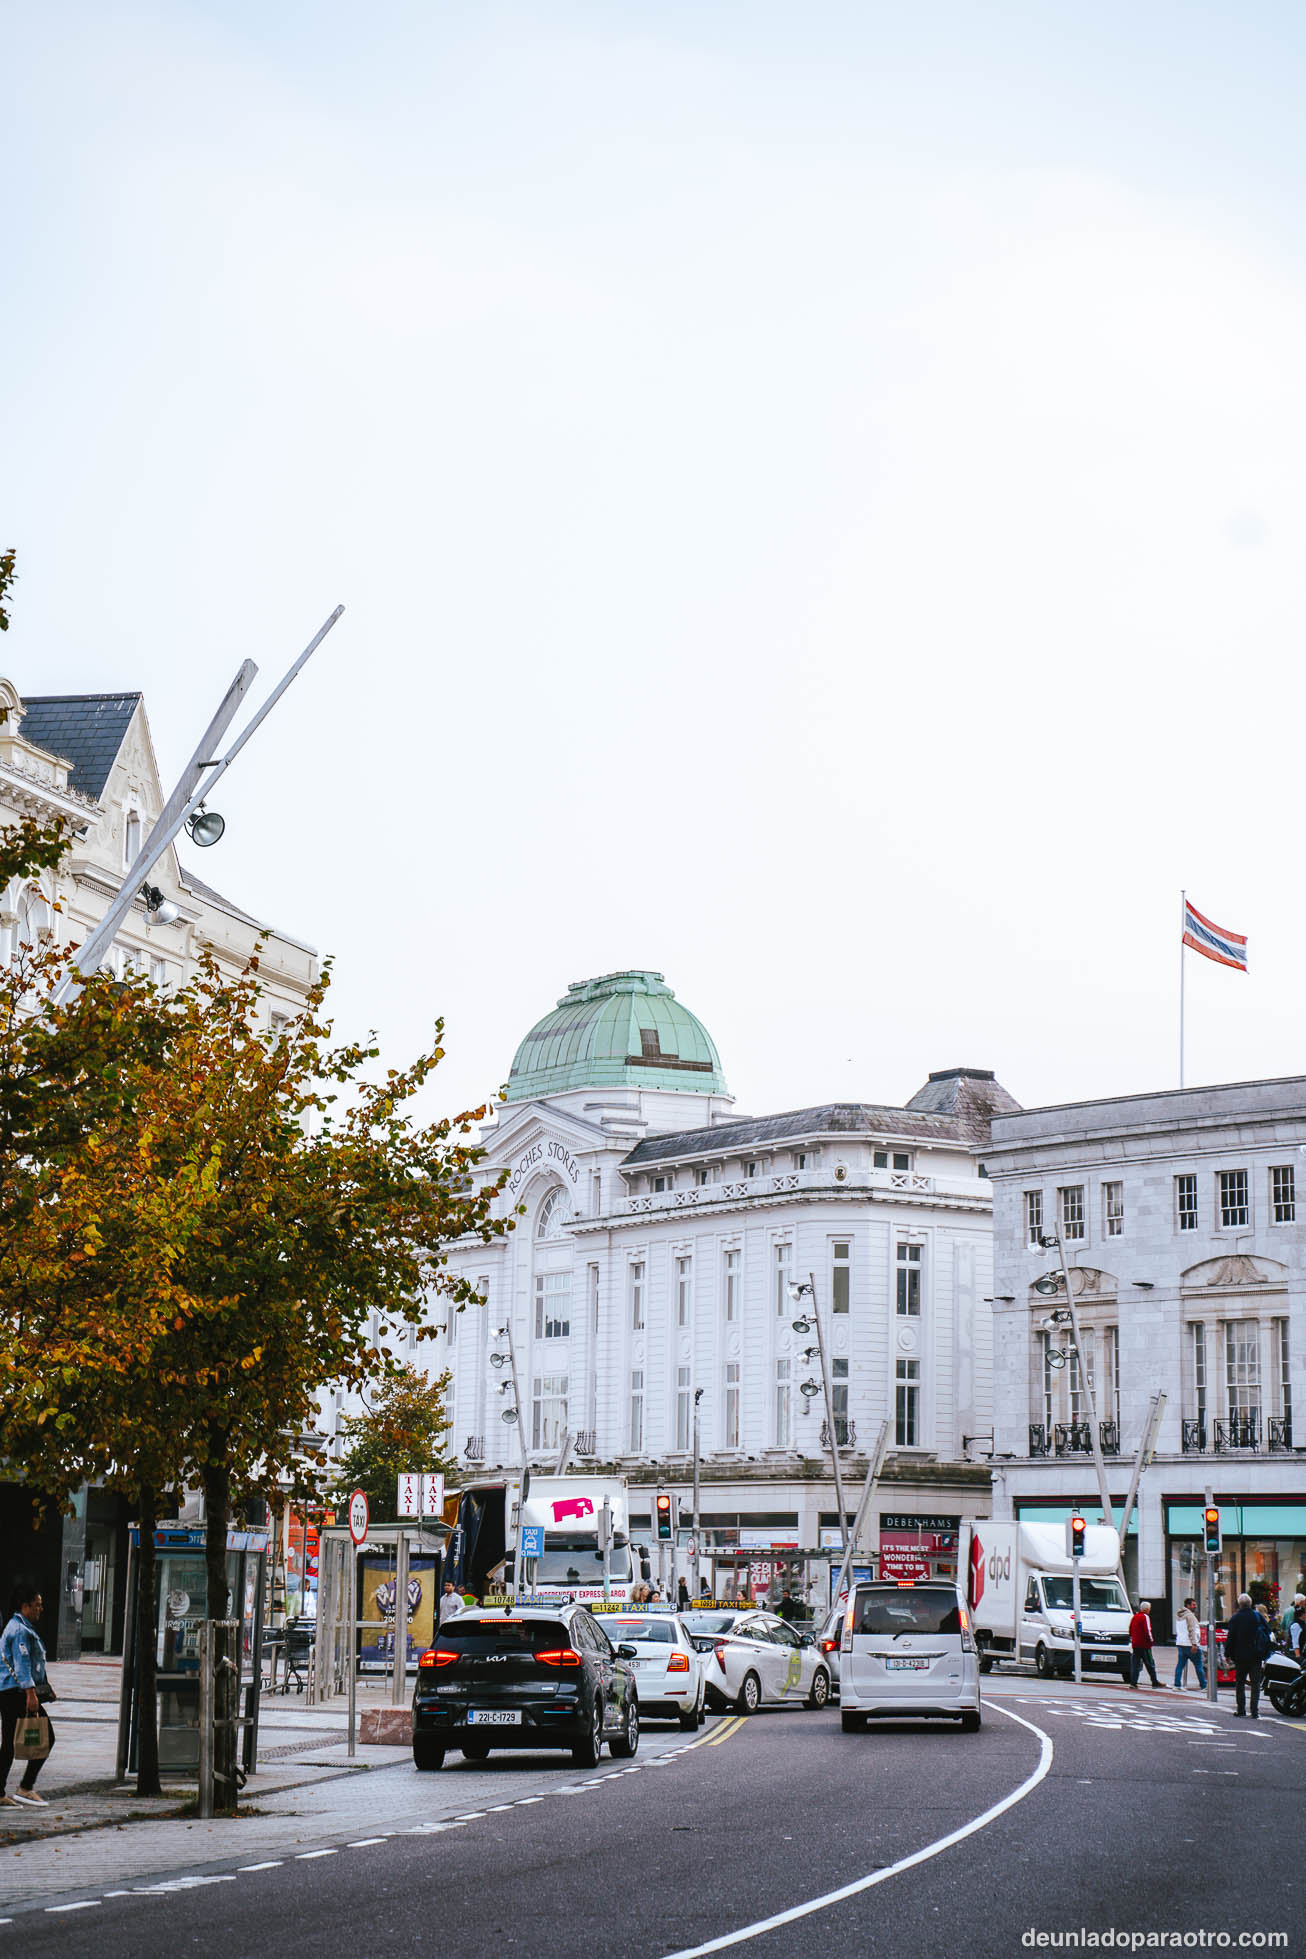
(524, 1676)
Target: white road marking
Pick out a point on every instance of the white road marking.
(873, 1878)
(272, 1864)
(85, 1905)
(363, 1843)
(304, 1856)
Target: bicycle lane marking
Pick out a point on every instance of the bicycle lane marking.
(873, 1878)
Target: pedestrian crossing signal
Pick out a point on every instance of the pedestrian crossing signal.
(665, 1516)
(1211, 1528)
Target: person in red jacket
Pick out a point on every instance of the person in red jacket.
(1140, 1640)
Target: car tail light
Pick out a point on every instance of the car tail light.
(967, 1637)
(720, 1652)
(849, 1619)
(678, 1663)
(565, 1656)
(826, 1645)
(437, 1656)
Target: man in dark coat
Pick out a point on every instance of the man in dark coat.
(1243, 1646)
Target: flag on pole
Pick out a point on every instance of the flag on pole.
(1212, 941)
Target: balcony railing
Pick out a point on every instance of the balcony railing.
(1278, 1434)
(845, 1432)
(474, 1448)
(1038, 1439)
(1109, 1434)
(1239, 1432)
(585, 1439)
(782, 1183)
(1074, 1438)
(1194, 1438)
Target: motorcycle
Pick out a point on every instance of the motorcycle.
(1283, 1678)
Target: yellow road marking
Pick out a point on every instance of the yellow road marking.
(724, 1733)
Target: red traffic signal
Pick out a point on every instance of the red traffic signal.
(665, 1517)
(1078, 1536)
(1211, 1530)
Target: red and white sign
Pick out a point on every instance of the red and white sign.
(358, 1516)
(421, 1494)
(898, 1561)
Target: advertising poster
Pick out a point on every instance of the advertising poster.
(376, 1651)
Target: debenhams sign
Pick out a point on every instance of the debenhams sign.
(550, 1154)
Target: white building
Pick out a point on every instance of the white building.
(1183, 1228)
(650, 1275)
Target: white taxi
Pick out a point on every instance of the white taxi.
(754, 1658)
(667, 1666)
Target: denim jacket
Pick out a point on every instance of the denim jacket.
(22, 1656)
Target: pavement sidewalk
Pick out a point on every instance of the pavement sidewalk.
(297, 1745)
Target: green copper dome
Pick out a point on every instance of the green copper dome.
(624, 1029)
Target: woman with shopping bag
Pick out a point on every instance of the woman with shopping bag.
(24, 1693)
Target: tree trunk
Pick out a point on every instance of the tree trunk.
(147, 1621)
(226, 1646)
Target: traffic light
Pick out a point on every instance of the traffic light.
(1078, 1531)
(1211, 1530)
(666, 1510)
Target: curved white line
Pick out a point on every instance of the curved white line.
(980, 1822)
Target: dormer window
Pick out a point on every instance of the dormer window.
(702, 1176)
(754, 1167)
(661, 1183)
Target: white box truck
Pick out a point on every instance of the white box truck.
(569, 1508)
(1019, 1584)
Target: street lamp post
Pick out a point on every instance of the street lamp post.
(514, 1414)
(698, 1544)
(807, 1289)
(1049, 1240)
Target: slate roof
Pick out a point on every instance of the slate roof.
(84, 729)
(949, 1109)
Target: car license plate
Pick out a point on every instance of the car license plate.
(906, 1666)
(495, 1717)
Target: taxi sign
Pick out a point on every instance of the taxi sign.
(358, 1515)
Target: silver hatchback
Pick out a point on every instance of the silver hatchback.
(907, 1652)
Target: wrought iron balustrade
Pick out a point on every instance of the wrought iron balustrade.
(1109, 1436)
(585, 1439)
(1278, 1434)
(1194, 1438)
(1239, 1432)
(474, 1448)
(1038, 1439)
(845, 1434)
(1074, 1438)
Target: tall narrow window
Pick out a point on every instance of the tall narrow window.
(1079, 1399)
(1033, 1217)
(1285, 1378)
(131, 839)
(702, 1175)
(1199, 1370)
(907, 1404)
(1070, 1208)
(1113, 1210)
(839, 1399)
(732, 1405)
(636, 1284)
(1185, 1202)
(548, 1410)
(782, 1404)
(1233, 1197)
(552, 1305)
(1049, 1395)
(909, 1281)
(636, 1411)
(1283, 1193)
(1110, 1408)
(841, 1275)
(684, 1290)
(781, 1278)
(684, 1409)
(596, 1194)
(730, 1284)
(1242, 1368)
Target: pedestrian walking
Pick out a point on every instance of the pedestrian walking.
(1285, 1622)
(451, 1602)
(682, 1594)
(24, 1689)
(1140, 1642)
(1187, 1639)
(1242, 1645)
(1297, 1633)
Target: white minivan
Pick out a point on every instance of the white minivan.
(908, 1653)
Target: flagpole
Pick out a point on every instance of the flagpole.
(1183, 926)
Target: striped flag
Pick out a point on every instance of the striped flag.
(1212, 941)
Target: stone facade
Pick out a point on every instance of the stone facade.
(1183, 1225)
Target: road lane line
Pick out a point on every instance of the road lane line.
(873, 1878)
(272, 1864)
(84, 1905)
(724, 1732)
(363, 1843)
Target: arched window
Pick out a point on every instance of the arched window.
(555, 1215)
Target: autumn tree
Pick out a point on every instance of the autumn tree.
(405, 1428)
(207, 1233)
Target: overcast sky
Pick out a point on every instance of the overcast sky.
(817, 493)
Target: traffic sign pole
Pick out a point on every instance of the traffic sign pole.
(357, 1536)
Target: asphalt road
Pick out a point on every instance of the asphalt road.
(1138, 1813)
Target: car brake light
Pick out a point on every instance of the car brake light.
(826, 1645)
(566, 1656)
(678, 1663)
(720, 1652)
(965, 1620)
(437, 1657)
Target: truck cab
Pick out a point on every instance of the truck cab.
(1047, 1632)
